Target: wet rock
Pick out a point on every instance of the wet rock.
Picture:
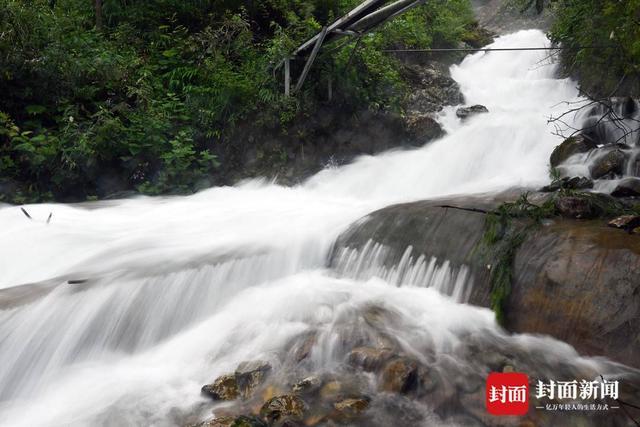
(400, 376)
(577, 207)
(250, 375)
(303, 346)
(432, 89)
(424, 127)
(331, 390)
(571, 146)
(609, 165)
(281, 407)
(369, 359)
(307, 385)
(216, 422)
(223, 388)
(352, 407)
(465, 112)
(575, 183)
(628, 187)
(626, 222)
(244, 421)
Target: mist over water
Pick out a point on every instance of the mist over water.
(172, 291)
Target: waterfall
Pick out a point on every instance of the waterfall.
(131, 306)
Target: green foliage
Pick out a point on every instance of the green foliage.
(612, 24)
(148, 102)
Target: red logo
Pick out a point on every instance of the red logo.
(507, 394)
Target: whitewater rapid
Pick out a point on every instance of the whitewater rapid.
(139, 302)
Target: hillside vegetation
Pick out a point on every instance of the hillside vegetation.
(144, 93)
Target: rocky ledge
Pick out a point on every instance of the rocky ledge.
(574, 272)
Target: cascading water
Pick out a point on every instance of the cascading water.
(140, 302)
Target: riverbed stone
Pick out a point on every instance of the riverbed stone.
(626, 222)
(571, 146)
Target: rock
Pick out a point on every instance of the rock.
(223, 388)
(244, 421)
(369, 359)
(307, 385)
(432, 89)
(577, 207)
(570, 278)
(628, 187)
(424, 127)
(465, 112)
(303, 346)
(575, 183)
(352, 407)
(571, 146)
(626, 222)
(250, 375)
(609, 165)
(400, 376)
(217, 422)
(284, 406)
(331, 390)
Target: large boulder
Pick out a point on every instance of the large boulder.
(250, 375)
(574, 145)
(609, 165)
(424, 127)
(432, 89)
(628, 187)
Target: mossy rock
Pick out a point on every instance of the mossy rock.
(571, 146)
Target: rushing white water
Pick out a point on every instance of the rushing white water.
(181, 289)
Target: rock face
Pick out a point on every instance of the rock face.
(466, 112)
(571, 146)
(577, 281)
